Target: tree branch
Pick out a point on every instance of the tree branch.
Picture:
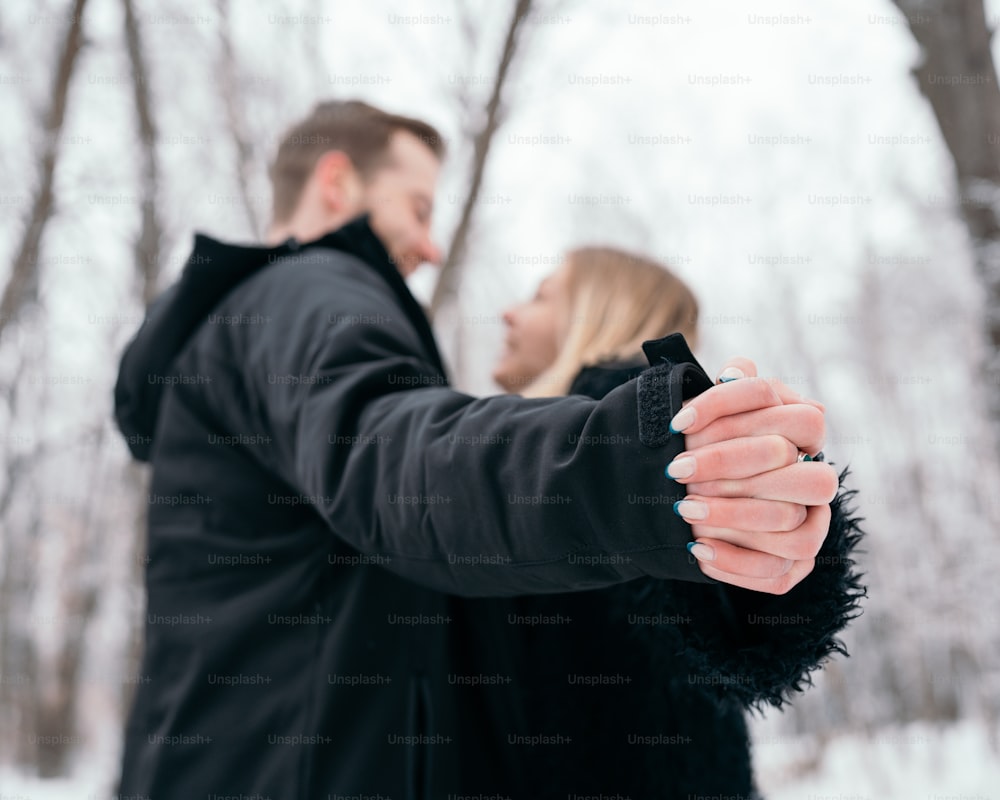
(22, 286)
(147, 247)
(447, 285)
(234, 118)
(959, 79)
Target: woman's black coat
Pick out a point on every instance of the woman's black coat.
(647, 681)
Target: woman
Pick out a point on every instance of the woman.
(647, 681)
(595, 310)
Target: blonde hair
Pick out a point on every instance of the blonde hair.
(617, 301)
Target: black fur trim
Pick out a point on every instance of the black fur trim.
(758, 649)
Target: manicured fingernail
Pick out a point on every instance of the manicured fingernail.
(683, 419)
(731, 374)
(691, 509)
(701, 551)
(681, 467)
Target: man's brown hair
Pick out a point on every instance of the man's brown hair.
(360, 130)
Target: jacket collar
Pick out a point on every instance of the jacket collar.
(358, 239)
(211, 272)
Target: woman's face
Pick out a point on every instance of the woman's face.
(535, 332)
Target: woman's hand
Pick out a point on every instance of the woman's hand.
(759, 514)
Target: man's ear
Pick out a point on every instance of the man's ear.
(339, 183)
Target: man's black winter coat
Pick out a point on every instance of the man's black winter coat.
(320, 504)
(336, 538)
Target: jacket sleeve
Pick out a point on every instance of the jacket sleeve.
(752, 647)
(490, 496)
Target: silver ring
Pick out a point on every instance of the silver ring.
(806, 457)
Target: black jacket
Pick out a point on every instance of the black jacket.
(323, 509)
(336, 537)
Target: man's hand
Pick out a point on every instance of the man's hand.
(759, 515)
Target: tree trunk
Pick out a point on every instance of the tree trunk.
(959, 80)
(22, 286)
(448, 280)
(235, 120)
(147, 247)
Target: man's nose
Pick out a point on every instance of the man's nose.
(430, 252)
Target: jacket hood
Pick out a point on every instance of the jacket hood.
(212, 270)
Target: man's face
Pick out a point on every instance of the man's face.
(400, 199)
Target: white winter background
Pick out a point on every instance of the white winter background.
(789, 170)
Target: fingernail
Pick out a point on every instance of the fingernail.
(731, 374)
(681, 467)
(691, 509)
(683, 419)
(701, 551)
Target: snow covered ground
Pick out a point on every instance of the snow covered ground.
(917, 762)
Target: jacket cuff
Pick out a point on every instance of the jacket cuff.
(674, 376)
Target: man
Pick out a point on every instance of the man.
(333, 532)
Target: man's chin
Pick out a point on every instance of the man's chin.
(499, 378)
(406, 265)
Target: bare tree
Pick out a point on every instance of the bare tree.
(148, 245)
(22, 286)
(958, 77)
(235, 119)
(148, 254)
(448, 281)
(16, 654)
(56, 699)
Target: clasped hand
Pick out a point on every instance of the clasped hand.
(759, 514)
